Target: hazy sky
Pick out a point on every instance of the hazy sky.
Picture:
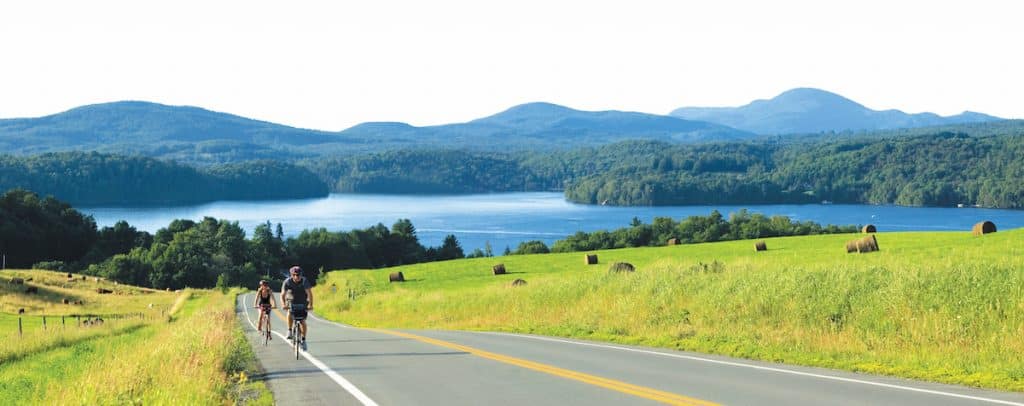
(332, 64)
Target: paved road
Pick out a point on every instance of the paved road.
(351, 366)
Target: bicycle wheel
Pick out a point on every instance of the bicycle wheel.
(295, 337)
(266, 333)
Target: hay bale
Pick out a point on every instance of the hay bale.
(21, 311)
(17, 281)
(31, 289)
(760, 246)
(866, 244)
(498, 269)
(870, 228)
(70, 276)
(672, 241)
(66, 301)
(851, 246)
(983, 228)
(104, 291)
(591, 259)
(518, 282)
(621, 267)
(396, 277)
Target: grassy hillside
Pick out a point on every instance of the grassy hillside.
(939, 306)
(177, 347)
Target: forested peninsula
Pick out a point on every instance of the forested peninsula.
(943, 169)
(90, 179)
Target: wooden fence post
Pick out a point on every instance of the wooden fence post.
(19, 326)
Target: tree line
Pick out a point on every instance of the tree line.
(50, 234)
(917, 169)
(907, 168)
(741, 225)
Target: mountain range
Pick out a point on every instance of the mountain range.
(200, 136)
(808, 110)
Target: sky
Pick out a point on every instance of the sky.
(329, 65)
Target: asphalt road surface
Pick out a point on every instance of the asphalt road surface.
(352, 366)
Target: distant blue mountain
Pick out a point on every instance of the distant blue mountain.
(197, 135)
(546, 125)
(144, 122)
(808, 110)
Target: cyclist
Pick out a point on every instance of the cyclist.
(264, 302)
(297, 288)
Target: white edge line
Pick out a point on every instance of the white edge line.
(689, 357)
(336, 377)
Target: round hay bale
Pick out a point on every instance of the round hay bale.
(591, 259)
(983, 228)
(867, 244)
(396, 277)
(851, 246)
(21, 311)
(621, 267)
(498, 269)
(870, 228)
(518, 282)
(672, 241)
(66, 301)
(760, 246)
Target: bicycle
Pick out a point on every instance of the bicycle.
(298, 312)
(265, 325)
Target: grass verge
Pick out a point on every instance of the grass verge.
(196, 356)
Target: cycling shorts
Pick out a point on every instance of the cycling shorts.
(298, 311)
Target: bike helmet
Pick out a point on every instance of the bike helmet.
(295, 270)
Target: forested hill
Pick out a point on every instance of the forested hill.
(102, 179)
(942, 169)
(202, 137)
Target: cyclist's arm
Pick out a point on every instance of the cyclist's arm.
(283, 291)
(309, 298)
(256, 299)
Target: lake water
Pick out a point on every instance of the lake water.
(506, 219)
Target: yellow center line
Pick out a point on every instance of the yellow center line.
(641, 391)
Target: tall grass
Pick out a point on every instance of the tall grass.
(53, 287)
(197, 357)
(200, 359)
(939, 306)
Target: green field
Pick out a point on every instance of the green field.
(942, 306)
(187, 348)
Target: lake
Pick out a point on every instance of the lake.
(506, 219)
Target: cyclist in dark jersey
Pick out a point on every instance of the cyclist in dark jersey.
(264, 302)
(298, 289)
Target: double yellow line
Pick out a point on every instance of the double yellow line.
(640, 391)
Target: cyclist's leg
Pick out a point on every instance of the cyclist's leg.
(290, 323)
(303, 328)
